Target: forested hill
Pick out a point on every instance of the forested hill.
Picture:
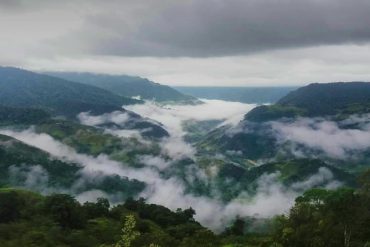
(316, 100)
(21, 88)
(128, 86)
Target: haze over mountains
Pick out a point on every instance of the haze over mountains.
(202, 123)
(228, 159)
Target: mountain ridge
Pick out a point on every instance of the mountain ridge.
(128, 86)
(22, 88)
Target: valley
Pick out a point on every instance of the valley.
(229, 162)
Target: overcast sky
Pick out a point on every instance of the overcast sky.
(192, 42)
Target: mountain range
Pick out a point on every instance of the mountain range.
(60, 137)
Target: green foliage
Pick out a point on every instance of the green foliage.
(326, 218)
(65, 210)
(129, 234)
(28, 219)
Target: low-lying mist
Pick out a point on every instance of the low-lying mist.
(271, 196)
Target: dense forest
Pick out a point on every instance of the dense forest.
(319, 218)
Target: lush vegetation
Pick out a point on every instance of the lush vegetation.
(128, 86)
(28, 219)
(327, 218)
(319, 218)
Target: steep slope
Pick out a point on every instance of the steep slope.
(128, 86)
(21, 88)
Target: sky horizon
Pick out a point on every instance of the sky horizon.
(219, 43)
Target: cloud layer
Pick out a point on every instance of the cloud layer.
(193, 42)
(271, 197)
(203, 28)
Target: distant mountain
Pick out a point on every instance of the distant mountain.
(314, 100)
(21, 88)
(250, 95)
(128, 86)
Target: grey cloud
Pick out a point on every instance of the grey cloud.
(220, 28)
(323, 177)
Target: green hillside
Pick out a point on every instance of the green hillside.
(21, 88)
